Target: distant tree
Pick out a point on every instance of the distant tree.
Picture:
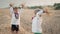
(57, 6)
(34, 7)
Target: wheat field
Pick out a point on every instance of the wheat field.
(50, 25)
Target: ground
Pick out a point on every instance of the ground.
(50, 23)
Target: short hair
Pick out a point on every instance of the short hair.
(36, 11)
(15, 8)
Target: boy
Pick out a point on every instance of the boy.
(37, 20)
(15, 21)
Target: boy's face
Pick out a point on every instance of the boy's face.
(15, 10)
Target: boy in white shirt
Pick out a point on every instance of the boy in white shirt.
(15, 21)
(37, 20)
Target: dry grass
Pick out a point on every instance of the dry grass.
(50, 24)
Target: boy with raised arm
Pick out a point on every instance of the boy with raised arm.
(37, 20)
(15, 19)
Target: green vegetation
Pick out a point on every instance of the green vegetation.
(34, 7)
(57, 6)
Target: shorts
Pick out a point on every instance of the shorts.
(15, 27)
(37, 33)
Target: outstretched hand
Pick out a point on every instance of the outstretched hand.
(46, 10)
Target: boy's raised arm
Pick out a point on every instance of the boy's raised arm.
(46, 11)
(22, 8)
(11, 8)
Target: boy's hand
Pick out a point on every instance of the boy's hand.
(11, 4)
(46, 10)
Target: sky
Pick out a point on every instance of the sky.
(5, 3)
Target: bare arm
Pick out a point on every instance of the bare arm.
(46, 11)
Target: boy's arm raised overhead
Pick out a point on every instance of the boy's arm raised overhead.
(11, 8)
(21, 8)
(45, 10)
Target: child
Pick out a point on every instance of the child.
(15, 21)
(37, 20)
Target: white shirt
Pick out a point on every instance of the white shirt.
(36, 22)
(15, 21)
